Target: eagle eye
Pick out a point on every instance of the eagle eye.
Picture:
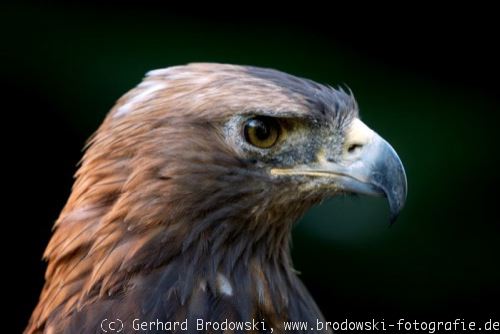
(261, 131)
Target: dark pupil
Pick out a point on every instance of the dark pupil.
(261, 130)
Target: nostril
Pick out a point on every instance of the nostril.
(354, 147)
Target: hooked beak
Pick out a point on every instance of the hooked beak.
(369, 165)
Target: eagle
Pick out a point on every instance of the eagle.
(182, 207)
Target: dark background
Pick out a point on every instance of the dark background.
(425, 79)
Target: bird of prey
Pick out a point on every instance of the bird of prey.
(184, 201)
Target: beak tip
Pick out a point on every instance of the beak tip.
(395, 189)
(394, 216)
(397, 200)
(392, 219)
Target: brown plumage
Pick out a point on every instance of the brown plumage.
(177, 213)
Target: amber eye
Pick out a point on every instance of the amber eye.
(262, 132)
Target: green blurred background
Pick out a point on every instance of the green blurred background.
(431, 92)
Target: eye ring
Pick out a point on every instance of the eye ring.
(262, 131)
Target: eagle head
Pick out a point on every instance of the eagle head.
(184, 201)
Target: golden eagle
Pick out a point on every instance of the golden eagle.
(183, 205)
